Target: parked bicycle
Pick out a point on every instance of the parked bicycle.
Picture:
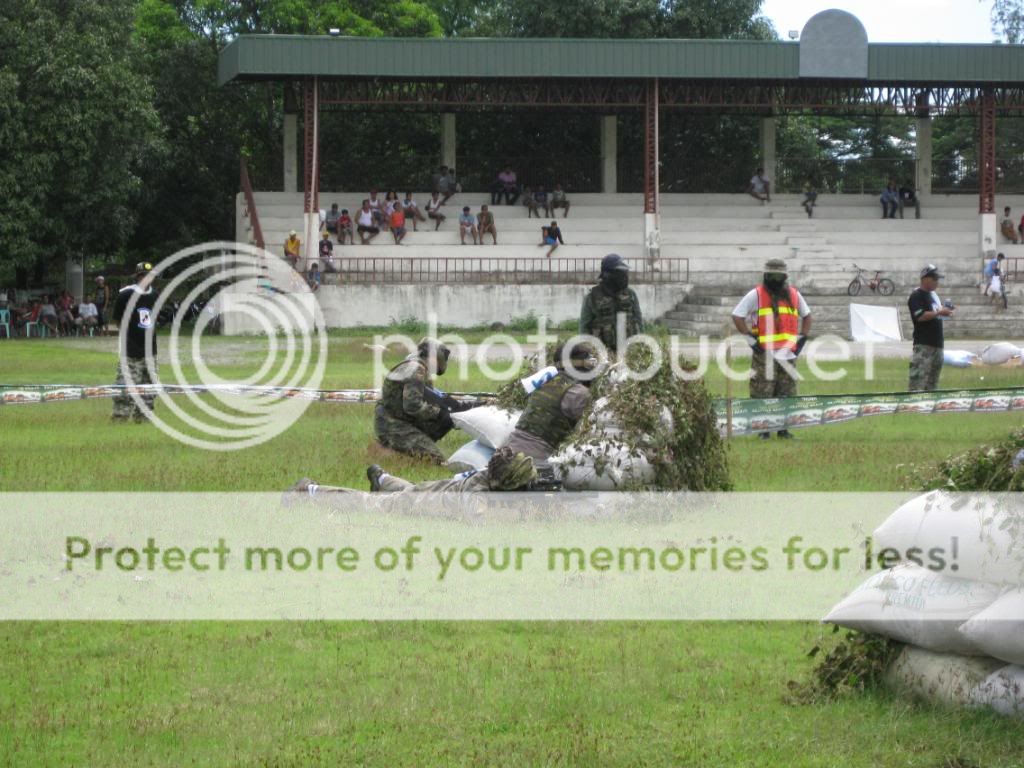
(877, 284)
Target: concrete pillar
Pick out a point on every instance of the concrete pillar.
(609, 154)
(768, 151)
(291, 153)
(988, 241)
(448, 139)
(923, 159)
(74, 279)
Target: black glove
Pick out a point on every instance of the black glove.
(755, 345)
(800, 341)
(445, 420)
(456, 406)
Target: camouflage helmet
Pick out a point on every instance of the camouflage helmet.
(429, 347)
(507, 471)
(775, 265)
(581, 355)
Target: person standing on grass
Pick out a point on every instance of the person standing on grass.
(137, 365)
(927, 312)
(610, 298)
(779, 321)
(102, 302)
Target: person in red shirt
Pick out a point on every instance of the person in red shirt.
(398, 224)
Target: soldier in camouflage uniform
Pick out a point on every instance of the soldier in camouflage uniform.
(780, 320)
(138, 349)
(554, 409)
(506, 471)
(609, 299)
(411, 416)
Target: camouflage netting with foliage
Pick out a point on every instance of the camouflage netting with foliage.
(688, 454)
(986, 468)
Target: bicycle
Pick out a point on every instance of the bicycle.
(877, 284)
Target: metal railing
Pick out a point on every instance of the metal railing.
(250, 204)
(377, 270)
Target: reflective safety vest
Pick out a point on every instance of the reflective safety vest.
(782, 331)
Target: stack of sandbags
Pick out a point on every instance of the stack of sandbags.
(601, 460)
(490, 428)
(957, 599)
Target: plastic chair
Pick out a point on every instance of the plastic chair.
(5, 322)
(41, 330)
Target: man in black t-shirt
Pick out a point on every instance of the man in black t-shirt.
(137, 329)
(927, 312)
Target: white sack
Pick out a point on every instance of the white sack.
(940, 678)
(472, 455)
(958, 358)
(489, 424)
(604, 466)
(999, 629)
(987, 548)
(1003, 690)
(999, 353)
(917, 606)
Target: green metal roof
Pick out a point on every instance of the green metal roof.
(274, 57)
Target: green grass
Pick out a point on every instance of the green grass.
(503, 693)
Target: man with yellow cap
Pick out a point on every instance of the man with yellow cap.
(779, 321)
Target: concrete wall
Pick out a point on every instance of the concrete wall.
(348, 306)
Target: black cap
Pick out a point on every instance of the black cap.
(930, 270)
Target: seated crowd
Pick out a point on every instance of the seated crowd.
(53, 315)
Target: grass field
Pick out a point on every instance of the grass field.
(314, 693)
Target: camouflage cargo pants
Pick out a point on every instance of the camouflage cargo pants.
(770, 379)
(925, 367)
(401, 436)
(125, 406)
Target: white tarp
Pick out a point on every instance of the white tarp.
(870, 323)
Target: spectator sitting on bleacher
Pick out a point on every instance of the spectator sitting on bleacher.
(434, 210)
(541, 197)
(532, 209)
(810, 198)
(88, 316)
(292, 246)
(398, 223)
(313, 277)
(890, 200)
(390, 201)
(327, 252)
(412, 210)
(443, 183)
(760, 187)
(467, 223)
(377, 209)
(506, 184)
(332, 219)
(908, 197)
(1006, 227)
(345, 228)
(550, 236)
(367, 224)
(485, 223)
(559, 200)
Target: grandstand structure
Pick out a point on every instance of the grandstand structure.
(692, 255)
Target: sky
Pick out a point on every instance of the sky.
(895, 21)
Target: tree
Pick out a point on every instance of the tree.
(1008, 20)
(77, 121)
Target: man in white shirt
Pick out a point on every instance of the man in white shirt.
(760, 187)
(88, 315)
(366, 224)
(779, 320)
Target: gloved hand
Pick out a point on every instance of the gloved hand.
(800, 341)
(754, 343)
(456, 406)
(445, 420)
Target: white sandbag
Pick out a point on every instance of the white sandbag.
(987, 547)
(1003, 691)
(999, 629)
(958, 358)
(917, 606)
(489, 424)
(472, 455)
(999, 353)
(603, 466)
(939, 678)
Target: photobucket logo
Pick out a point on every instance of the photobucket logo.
(501, 357)
(213, 285)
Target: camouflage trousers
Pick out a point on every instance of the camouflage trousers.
(125, 406)
(925, 367)
(401, 436)
(769, 378)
